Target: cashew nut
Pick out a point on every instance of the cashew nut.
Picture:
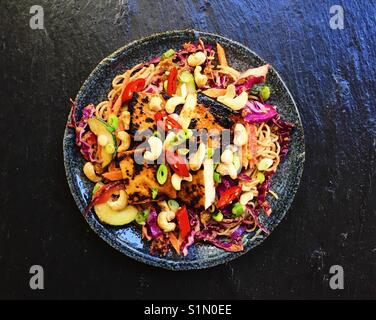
(240, 135)
(164, 221)
(163, 205)
(125, 139)
(155, 103)
(188, 110)
(246, 197)
(183, 91)
(90, 172)
(176, 180)
(120, 203)
(229, 99)
(200, 79)
(196, 59)
(125, 117)
(156, 146)
(227, 156)
(172, 103)
(227, 170)
(196, 160)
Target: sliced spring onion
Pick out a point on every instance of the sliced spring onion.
(168, 54)
(181, 136)
(154, 193)
(187, 78)
(217, 177)
(162, 173)
(157, 134)
(188, 133)
(218, 216)
(142, 216)
(265, 93)
(210, 153)
(237, 209)
(97, 186)
(173, 204)
(113, 121)
(260, 177)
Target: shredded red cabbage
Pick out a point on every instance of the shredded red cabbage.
(228, 245)
(284, 131)
(255, 212)
(262, 193)
(151, 224)
(244, 177)
(226, 183)
(208, 233)
(86, 149)
(239, 231)
(255, 117)
(195, 228)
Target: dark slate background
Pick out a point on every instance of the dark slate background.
(331, 74)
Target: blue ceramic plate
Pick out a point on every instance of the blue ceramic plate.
(128, 239)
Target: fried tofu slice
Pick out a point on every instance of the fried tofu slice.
(139, 180)
(142, 117)
(193, 193)
(204, 120)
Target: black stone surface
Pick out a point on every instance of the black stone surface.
(331, 74)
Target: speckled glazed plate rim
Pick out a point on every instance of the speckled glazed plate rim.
(156, 260)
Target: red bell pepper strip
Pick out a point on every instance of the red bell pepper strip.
(183, 221)
(160, 115)
(133, 86)
(229, 195)
(177, 163)
(104, 194)
(171, 123)
(165, 121)
(171, 81)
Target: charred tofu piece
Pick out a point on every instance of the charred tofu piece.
(211, 129)
(204, 119)
(142, 117)
(222, 114)
(140, 179)
(193, 193)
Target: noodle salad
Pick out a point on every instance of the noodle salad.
(184, 147)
